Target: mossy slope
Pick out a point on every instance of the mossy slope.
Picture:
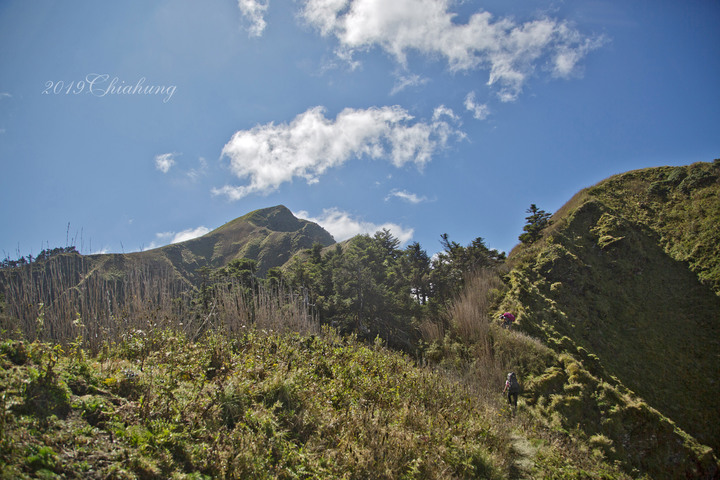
(626, 281)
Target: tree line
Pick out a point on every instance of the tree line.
(45, 254)
(367, 285)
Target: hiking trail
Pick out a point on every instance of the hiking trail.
(524, 459)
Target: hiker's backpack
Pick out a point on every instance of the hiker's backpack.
(513, 382)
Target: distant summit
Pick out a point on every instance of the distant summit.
(270, 236)
(279, 219)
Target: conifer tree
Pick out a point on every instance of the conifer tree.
(537, 221)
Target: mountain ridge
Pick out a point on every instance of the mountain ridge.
(67, 280)
(626, 279)
(623, 287)
(269, 236)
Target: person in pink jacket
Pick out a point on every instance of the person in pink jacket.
(507, 319)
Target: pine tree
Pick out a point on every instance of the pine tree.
(537, 221)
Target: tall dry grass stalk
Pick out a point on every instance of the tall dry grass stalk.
(276, 308)
(432, 331)
(470, 312)
(471, 320)
(62, 300)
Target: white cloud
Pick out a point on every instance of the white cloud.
(403, 81)
(406, 196)
(189, 234)
(342, 225)
(479, 111)
(254, 12)
(508, 50)
(269, 155)
(564, 63)
(166, 238)
(195, 173)
(164, 162)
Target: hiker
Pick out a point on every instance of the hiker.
(507, 319)
(512, 387)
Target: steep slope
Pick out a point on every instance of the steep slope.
(627, 280)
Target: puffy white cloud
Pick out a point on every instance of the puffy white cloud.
(269, 155)
(165, 238)
(254, 12)
(189, 234)
(406, 196)
(164, 162)
(479, 111)
(342, 225)
(566, 57)
(508, 50)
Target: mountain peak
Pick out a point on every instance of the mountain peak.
(268, 235)
(278, 218)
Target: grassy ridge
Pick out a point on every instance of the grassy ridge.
(618, 334)
(625, 284)
(568, 393)
(679, 204)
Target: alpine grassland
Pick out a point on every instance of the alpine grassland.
(250, 386)
(255, 405)
(266, 350)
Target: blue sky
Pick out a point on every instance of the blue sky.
(143, 123)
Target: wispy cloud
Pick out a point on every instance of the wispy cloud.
(478, 110)
(510, 52)
(166, 238)
(4, 95)
(342, 225)
(406, 196)
(270, 155)
(194, 174)
(165, 162)
(403, 81)
(254, 12)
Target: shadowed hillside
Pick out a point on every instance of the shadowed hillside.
(626, 281)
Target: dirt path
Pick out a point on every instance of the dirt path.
(524, 460)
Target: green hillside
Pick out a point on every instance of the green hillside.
(257, 405)
(625, 280)
(269, 236)
(113, 287)
(159, 364)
